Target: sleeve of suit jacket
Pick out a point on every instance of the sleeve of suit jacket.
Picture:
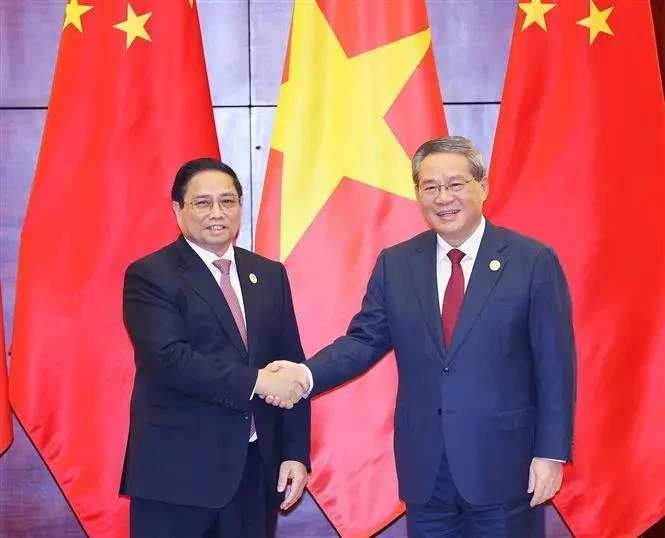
(296, 422)
(366, 341)
(157, 329)
(553, 345)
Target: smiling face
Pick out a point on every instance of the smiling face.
(452, 215)
(210, 214)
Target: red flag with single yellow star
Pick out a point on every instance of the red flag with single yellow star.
(579, 162)
(359, 95)
(6, 434)
(130, 103)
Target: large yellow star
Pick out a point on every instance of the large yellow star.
(596, 22)
(330, 119)
(134, 26)
(73, 14)
(535, 13)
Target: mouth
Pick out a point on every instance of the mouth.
(447, 213)
(216, 228)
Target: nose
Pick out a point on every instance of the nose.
(217, 210)
(443, 195)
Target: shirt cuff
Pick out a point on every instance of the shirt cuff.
(251, 396)
(310, 378)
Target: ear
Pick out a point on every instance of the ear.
(175, 206)
(485, 187)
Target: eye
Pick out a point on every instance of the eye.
(203, 204)
(456, 186)
(228, 203)
(430, 189)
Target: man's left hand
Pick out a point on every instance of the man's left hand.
(292, 478)
(544, 479)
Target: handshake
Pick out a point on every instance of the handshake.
(282, 383)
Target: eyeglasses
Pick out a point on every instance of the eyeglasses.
(203, 206)
(432, 190)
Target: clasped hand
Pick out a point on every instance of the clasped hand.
(282, 383)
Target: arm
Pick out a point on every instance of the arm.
(158, 332)
(553, 345)
(367, 339)
(296, 423)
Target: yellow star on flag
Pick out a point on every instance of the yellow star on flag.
(535, 13)
(191, 3)
(330, 120)
(73, 14)
(596, 22)
(134, 26)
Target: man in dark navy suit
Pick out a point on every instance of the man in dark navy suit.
(205, 457)
(479, 318)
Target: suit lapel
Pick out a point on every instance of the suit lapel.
(482, 282)
(251, 284)
(423, 267)
(199, 277)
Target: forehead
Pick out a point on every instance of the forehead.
(444, 165)
(210, 182)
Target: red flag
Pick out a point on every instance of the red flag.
(359, 95)
(6, 434)
(579, 162)
(130, 103)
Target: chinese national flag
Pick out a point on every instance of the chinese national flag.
(129, 104)
(359, 95)
(5, 412)
(579, 162)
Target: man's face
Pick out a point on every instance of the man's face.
(210, 216)
(452, 215)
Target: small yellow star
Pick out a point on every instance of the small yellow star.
(73, 13)
(134, 26)
(535, 13)
(596, 22)
(191, 3)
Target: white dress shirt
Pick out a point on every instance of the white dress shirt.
(444, 266)
(208, 258)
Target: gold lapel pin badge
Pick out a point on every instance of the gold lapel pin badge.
(252, 278)
(495, 265)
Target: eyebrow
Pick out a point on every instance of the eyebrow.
(221, 195)
(451, 178)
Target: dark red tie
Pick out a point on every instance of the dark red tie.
(452, 299)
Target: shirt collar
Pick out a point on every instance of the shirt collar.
(470, 247)
(209, 257)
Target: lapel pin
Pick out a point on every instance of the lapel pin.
(252, 278)
(495, 265)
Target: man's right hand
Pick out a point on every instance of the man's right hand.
(287, 368)
(281, 387)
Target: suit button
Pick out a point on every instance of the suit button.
(246, 417)
(438, 412)
(446, 370)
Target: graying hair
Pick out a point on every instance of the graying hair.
(450, 144)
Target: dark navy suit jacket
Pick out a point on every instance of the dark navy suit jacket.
(503, 393)
(190, 408)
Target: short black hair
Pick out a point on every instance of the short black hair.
(191, 168)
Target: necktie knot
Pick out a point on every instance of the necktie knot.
(223, 265)
(455, 255)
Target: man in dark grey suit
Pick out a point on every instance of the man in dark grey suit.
(204, 456)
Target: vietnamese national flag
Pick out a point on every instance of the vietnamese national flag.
(579, 162)
(130, 103)
(359, 95)
(6, 434)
